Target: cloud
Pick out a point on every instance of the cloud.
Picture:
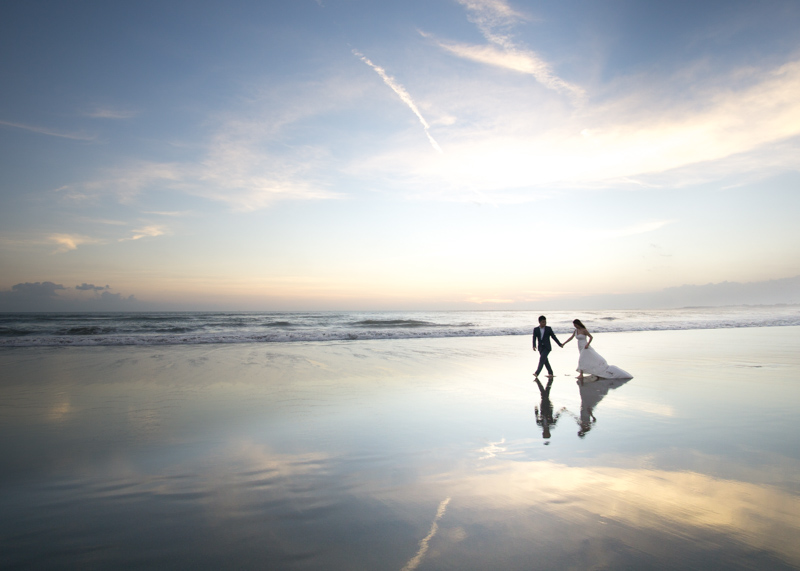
(233, 172)
(44, 296)
(491, 14)
(69, 242)
(90, 287)
(51, 132)
(403, 94)
(514, 59)
(148, 231)
(110, 113)
(641, 228)
(245, 161)
(127, 182)
(519, 146)
(171, 213)
(260, 153)
(238, 171)
(107, 221)
(107, 296)
(37, 289)
(494, 19)
(713, 122)
(506, 143)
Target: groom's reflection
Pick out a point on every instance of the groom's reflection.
(592, 392)
(544, 412)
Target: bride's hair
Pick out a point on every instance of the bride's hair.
(577, 323)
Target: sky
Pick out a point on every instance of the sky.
(437, 154)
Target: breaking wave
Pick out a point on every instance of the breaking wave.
(58, 330)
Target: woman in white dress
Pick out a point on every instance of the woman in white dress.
(590, 362)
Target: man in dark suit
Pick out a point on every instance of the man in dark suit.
(542, 335)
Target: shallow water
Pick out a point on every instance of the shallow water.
(428, 454)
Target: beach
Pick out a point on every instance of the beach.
(403, 454)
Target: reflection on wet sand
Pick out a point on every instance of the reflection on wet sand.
(683, 506)
(423, 545)
(592, 392)
(336, 456)
(544, 412)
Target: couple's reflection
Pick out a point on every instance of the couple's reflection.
(544, 412)
(592, 391)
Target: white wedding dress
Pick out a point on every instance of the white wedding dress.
(591, 362)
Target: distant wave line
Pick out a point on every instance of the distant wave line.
(83, 336)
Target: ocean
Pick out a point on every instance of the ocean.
(190, 328)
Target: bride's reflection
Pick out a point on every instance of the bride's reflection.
(592, 392)
(544, 412)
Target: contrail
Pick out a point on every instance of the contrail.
(423, 545)
(402, 93)
(44, 131)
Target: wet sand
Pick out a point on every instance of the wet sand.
(428, 454)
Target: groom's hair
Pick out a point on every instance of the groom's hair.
(542, 318)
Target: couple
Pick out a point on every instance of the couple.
(589, 362)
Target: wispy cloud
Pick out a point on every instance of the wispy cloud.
(51, 132)
(495, 19)
(514, 59)
(403, 94)
(146, 232)
(492, 15)
(233, 172)
(126, 182)
(518, 148)
(110, 113)
(633, 230)
(69, 242)
(245, 161)
(170, 213)
(103, 221)
(239, 170)
(507, 145)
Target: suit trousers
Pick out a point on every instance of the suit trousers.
(544, 362)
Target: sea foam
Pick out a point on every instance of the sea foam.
(93, 329)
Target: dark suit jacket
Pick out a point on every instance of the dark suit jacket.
(544, 343)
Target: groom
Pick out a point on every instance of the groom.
(542, 334)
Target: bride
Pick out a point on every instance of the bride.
(590, 361)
